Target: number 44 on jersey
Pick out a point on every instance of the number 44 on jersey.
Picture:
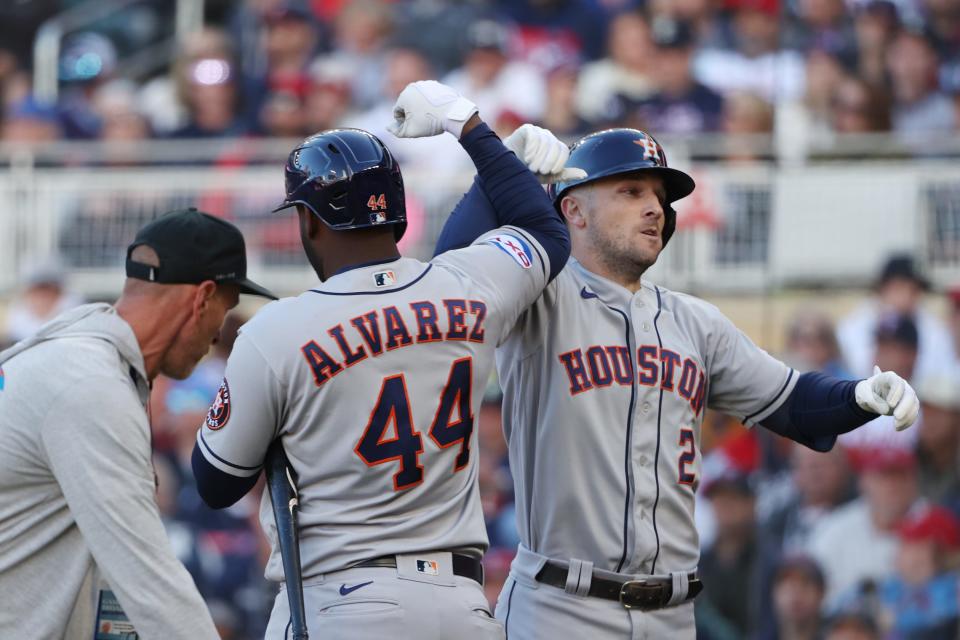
(392, 413)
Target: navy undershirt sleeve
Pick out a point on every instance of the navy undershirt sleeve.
(818, 410)
(218, 489)
(473, 216)
(504, 193)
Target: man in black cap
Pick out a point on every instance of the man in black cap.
(900, 290)
(82, 546)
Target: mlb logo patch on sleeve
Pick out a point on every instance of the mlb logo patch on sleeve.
(515, 247)
(1, 378)
(429, 567)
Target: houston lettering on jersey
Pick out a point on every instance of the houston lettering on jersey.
(386, 329)
(599, 367)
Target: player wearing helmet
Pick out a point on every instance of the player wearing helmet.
(372, 380)
(606, 378)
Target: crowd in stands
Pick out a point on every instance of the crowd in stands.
(289, 68)
(859, 543)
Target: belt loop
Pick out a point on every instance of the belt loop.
(681, 583)
(579, 576)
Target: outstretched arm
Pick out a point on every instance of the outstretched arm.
(820, 407)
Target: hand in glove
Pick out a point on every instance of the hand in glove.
(887, 394)
(428, 108)
(543, 154)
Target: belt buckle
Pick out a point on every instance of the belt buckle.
(645, 595)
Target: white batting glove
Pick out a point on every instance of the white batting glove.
(543, 154)
(428, 108)
(886, 393)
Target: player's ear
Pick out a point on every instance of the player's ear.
(572, 209)
(203, 296)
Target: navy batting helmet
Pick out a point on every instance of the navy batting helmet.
(347, 178)
(615, 151)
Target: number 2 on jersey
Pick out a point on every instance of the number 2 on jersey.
(393, 410)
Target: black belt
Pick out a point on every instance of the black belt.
(645, 594)
(464, 566)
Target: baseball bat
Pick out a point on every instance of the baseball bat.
(283, 495)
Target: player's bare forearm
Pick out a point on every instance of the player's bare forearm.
(471, 124)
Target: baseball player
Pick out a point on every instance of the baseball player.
(372, 382)
(83, 552)
(606, 378)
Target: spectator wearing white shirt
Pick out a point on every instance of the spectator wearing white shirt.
(900, 290)
(758, 65)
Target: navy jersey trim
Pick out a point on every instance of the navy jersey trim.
(775, 398)
(533, 244)
(374, 293)
(226, 462)
(656, 455)
(506, 620)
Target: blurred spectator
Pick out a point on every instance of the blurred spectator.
(626, 71)
(492, 80)
(274, 99)
(164, 99)
(43, 297)
(875, 23)
(578, 25)
(798, 589)
(328, 97)
(859, 107)
(899, 289)
(812, 345)
(938, 438)
(121, 122)
(728, 566)
(560, 111)
(857, 543)
(757, 64)
(923, 600)
(709, 30)
(943, 18)
(852, 625)
(896, 345)
(361, 31)
(824, 73)
(446, 22)
(823, 25)
(211, 95)
(918, 105)
(822, 483)
(746, 119)
(88, 60)
(31, 122)
(681, 105)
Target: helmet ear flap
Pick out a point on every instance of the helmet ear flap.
(669, 224)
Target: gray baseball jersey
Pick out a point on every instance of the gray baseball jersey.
(604, 397)
(373, 380)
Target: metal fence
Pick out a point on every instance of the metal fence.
(745, 228)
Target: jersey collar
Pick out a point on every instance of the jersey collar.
(608, 290)
(362, 279)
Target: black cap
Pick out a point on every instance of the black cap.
(899, 328)
(668, 33)
(193, 247)
(902, 266)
